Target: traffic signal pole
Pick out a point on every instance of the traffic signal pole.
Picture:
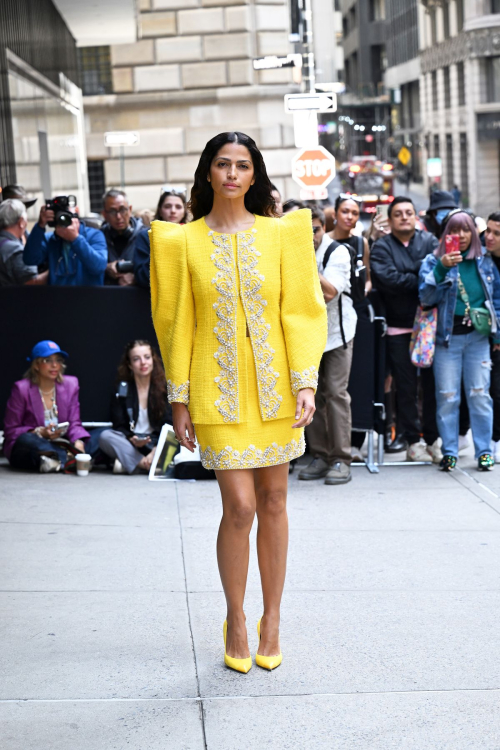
(308, 64)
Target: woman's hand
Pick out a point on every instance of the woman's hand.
(138, 442)
(79, 445)
(305, 407)
(451, 259)
(182, 425)
(50, 432)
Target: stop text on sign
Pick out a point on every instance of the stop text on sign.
(313, 167)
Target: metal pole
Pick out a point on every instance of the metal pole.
(309, 74)
(122, 168)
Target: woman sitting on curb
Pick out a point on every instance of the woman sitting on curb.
(138, 410)
(464, 283)
(42, 400)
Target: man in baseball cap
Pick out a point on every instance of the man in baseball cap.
(18, 192)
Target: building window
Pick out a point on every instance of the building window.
(97, 184)
(495, 6)
(95, 70)
(434, 90)
(461, 84)
(433, 26)
(447, 88)
(446, 20)
(377, 10)
(464, 169)
(437, 149)
(449, 161)
(492, 79)
(459, 4)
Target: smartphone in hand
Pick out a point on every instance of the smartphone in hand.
(452, 243)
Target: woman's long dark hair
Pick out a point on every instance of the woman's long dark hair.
(163, 198)
(157, 387)
(259, 199)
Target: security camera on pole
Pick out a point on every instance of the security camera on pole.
(305, 108)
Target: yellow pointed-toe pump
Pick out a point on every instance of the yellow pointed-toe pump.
(239, 665)
(267, 662)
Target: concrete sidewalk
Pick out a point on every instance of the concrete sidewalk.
(112, 616)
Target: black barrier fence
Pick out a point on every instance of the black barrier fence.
(92, 324)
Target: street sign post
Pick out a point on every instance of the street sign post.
(313, 169)
(121, 138)
(313, 102)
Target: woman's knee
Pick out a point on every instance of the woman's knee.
(240, 512)
(106, 440)
(271, 502)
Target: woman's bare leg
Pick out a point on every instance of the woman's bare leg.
(233, 549)
(271, 486)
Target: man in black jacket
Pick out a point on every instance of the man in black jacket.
(394, 264)
(121, 230)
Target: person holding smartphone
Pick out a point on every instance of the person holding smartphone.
(139, 409)
(42, 408)
(462, 280)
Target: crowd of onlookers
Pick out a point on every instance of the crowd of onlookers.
(446, 261)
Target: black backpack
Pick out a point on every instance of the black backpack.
(358, 275)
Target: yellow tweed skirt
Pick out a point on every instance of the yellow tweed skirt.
(252, 444)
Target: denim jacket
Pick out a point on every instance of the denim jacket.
(444, 295)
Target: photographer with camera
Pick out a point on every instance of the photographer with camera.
(75, 254)
(121, 230)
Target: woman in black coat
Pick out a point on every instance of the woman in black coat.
(139, 409)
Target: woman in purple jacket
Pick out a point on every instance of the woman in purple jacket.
(42, 400)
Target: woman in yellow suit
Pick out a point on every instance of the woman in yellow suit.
(241, 323)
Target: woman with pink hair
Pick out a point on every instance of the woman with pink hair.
(461, 279)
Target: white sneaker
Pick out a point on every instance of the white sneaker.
(495, 449)
(463, 443)
(417, 452)
(49, 465)
(118, 468)
(435, 452)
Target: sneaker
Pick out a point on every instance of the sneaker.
(340, 473)
(435, 452)
(448, 463)
(417, 452)
(49, 465)
(317, 469)
(118, 468)
(486, 462)
(495, 449)
(463, 443)
(357, 456)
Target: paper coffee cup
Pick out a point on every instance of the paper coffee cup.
(83, 464)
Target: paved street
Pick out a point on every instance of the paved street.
(112, 616)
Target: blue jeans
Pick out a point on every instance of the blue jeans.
(28, 448)
(468, 355)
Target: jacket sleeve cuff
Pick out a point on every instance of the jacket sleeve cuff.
(305, 379)
(178, 393)
(440, 272)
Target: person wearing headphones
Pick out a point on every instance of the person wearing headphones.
(121, 230)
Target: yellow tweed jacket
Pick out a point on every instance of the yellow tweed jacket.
(197, 277)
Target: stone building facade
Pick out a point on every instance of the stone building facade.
(188, 77)
(460, 96)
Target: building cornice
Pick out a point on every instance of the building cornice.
(483, 42)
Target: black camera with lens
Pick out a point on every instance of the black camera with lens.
(62, 206)
(125, 266)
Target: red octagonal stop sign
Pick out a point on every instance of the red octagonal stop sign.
(313, 167)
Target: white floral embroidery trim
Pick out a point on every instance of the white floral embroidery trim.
(254, 305)
(306, 379)
(225, 331)
(252, 457)
(178, 393)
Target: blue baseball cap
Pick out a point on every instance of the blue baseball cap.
(45, 349)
